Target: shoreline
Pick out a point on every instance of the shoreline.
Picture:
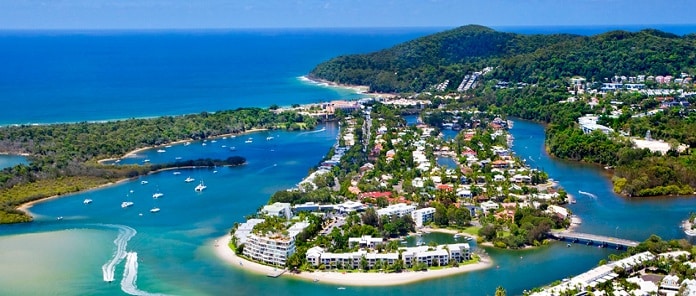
(225, 254)
(136, 151)
(359, 89)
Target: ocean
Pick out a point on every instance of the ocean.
(69, 76)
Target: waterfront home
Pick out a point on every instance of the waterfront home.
(669, 285)
(489, 206)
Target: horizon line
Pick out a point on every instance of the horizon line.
(342, 28)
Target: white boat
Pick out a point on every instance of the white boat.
(59, 218)
(248, 141)
(154, 210)
(146, 161)
(157, 195)
(457, 235)
(177, 173)
(269, 138)
(187, 143)
(126, 204)
(213, 141)
(233, 148)
(143, 182)
(177, 158)
(189, 180)
(161, 151)
(204, 144)
(87, 201)
(200, 187)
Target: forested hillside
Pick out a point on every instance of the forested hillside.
(416, 65)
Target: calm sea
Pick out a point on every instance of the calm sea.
(78, 76)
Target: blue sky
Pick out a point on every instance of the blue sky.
(200, 14)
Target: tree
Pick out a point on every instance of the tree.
(500, 291)
(370, 217)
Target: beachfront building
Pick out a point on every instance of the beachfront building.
(278, 209)
(400, 210)
(438, 256)
(243, 230)
(273, 249)
(423, 216)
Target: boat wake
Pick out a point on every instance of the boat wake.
(125, 233)
(316, 131)
(587, 193)
(130, 275)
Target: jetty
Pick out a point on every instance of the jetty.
(593, 239)
(276, 273)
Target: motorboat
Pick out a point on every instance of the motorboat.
(189, 180)
(157, 195)
(143, 182)
(161, 151)
(126, 204)
(87, 201)
(200, 187)
(154, 210)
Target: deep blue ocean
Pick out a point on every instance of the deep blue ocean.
(67, 76)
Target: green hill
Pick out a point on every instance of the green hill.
(450, 55)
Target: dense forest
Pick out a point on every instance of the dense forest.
(416, 65)
(63, 157)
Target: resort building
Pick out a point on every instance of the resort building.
(278, 209)
(440, 255)
(588, 123)
(422, 216)
(273, 249)
(243, 230)
(399, 210)
(365, 241)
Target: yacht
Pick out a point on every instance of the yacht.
(157, 195)
(200, 187)
(126, 204)
(248, 141)
(87, 201)
(269, 138)
(177, 173)
(143, 182)
(154, 210)
(161, 151)
(189, 180)
(146, 161)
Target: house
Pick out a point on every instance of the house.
(489, 206)
(399, 210)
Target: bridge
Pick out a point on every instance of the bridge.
(592, 239)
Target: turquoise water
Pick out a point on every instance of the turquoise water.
(7, 161)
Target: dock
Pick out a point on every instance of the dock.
(276, 273)
(593, 239)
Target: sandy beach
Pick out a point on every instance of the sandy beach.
(222, 250)
(26, 206)
(361, 89)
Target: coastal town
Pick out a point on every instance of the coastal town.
(387, 179)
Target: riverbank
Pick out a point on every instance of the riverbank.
(225, 253)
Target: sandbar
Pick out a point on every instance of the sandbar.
(223, 251)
